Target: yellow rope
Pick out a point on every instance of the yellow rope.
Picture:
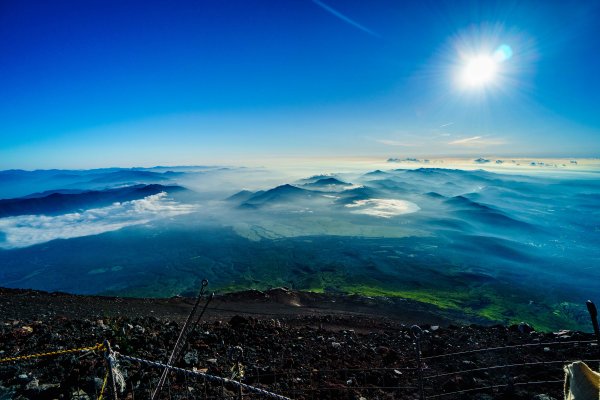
(103, 385)
(98, 346)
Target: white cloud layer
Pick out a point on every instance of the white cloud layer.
(383, 208)
(478, 141)
(27, 230)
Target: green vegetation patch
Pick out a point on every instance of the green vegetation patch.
(489, 303)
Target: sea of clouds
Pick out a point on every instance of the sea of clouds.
(383, 208)
(28, 230)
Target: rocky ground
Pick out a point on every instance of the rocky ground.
(304, 346)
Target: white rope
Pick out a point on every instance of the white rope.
(208, 377)
(117, 374)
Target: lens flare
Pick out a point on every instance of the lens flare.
(503, 53)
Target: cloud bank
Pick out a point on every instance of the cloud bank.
(383, 208)
(28, 230)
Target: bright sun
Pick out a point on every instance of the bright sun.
(479, 71)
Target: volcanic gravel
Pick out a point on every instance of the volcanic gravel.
(306, 354)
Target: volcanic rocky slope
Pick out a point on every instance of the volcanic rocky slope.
(291, 346)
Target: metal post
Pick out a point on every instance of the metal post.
(416, 332)
(180, 341)
(210, 298)
(236, 355)
(594, 315)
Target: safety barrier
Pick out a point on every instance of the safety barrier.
(111, 370)
(424, 377)
(424, 373)
(99, 346)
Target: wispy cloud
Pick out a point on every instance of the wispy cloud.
(448, 124)
(465, 140)
(27, 230)
(344, 18)
(477, 141)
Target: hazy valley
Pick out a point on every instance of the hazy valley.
(502, 246)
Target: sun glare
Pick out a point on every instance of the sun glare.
(479, 71)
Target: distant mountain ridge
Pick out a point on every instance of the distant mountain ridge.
(329, 183)
(126, 175)
(56, 202)
(281, 193)
(503, 246)
(315, 178)
(19, 183)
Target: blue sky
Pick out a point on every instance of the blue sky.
(123, 83)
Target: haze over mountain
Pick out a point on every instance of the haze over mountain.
(56, 202)
(443, 151)
(502, 245)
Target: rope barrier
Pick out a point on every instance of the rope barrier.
(266, 393)
(503, 366)
(494, 387)
(325, 388)
(98, 346)
(101, 396)
(210, 378)
(117, 378)
(508, 347)
(284, 372)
